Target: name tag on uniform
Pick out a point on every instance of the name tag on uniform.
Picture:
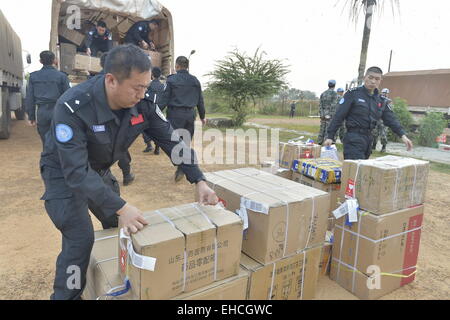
(361, 100)
(137, 120)
(99, 128)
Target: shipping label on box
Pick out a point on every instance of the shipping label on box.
(291, 278)
(283, 216)
(193, 246)
(385, 244)
(385, 184)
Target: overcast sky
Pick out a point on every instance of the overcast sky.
(315, 38)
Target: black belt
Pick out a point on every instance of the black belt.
(46, 104)
(360, 130)
(182, 108)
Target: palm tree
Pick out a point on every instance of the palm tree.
(369, 7)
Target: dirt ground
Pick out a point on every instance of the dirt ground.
(30, 243)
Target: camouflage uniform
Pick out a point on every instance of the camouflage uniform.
(328, 101)
(380, 132)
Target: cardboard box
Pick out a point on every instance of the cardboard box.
(385, 184)
(234, 288)
(102, 275)
(124, 26)
(297, 150)
(295, 277)
(390, 242)
(74, 36)
(87, 63)
(107, 278)
(324, 170)
(210, 238)
(283, 216)
(156, 58)
(273, 168)
(67, 57)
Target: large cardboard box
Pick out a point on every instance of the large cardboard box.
(193, 246)
(297, 150)
(74, 36)
(155, 57)
(389, 243)
(291, 278)
(107, 279)
(87, 63)
(67, 58)
(385, 184)
(283, 216)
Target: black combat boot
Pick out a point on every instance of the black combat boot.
(128, 178)
(383, 150)
(157, 151)
(179, 174)
(149, 148)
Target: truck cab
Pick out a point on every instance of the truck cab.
(73, 19)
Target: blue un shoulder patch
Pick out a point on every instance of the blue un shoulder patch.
(64, 133)
(342, 101)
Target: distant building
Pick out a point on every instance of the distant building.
(425, 91)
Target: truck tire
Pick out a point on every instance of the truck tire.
(20, 113)
(5, 117)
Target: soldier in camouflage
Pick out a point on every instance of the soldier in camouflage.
(341, 131)
(380, 131)
(327, 109)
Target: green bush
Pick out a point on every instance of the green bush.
(400, 108)
(430, 128)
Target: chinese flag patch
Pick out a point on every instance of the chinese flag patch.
(137, 120)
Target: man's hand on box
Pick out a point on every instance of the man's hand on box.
(206, 195)
(131, 219)
(408, 143)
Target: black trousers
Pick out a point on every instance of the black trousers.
(357, 146)
(71, 217)
(125, 164)
(182, 118)
(44, 116)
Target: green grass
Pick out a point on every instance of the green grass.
(440, 167)
(293, 126)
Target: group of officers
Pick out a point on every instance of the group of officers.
(86, 129)
(359, 117)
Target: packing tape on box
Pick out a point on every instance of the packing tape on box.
(394, 274)
(185, 253)
(139, 261)
(358, 237)
(196, 207)
(265, 209)
(274, 274)
(106, 238)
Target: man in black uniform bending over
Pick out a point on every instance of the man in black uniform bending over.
(93, 126)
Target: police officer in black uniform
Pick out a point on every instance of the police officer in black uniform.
(361, 108)
(44, 88)
(93, 126)
(156, 88)
(182, 94)
(139, 33)
(98, 40)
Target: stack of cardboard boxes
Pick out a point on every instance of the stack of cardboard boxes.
(186, 252)
(285, 225)
(378, 253)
